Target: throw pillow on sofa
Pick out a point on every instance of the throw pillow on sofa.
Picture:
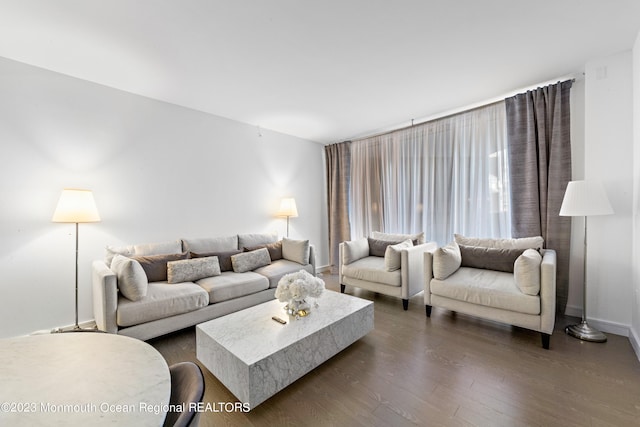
(155, 266)
(132, 280)
(354, 250)
(392, 256)
(247, 261)
(275, 249)
(527, 272)
(296, 250)
(446, 261)
(497, 259)
(224, 258)
(190, 270)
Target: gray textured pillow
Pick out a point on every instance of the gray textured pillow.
(155, 266)
(489, 258)
(392, 256)
(132, 280)
(247, 261)
(190, 270)
(296, 250)
(527, 272)
(446, 260)
(354, 250)
(224, 258)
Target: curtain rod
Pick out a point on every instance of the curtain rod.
(442, 115)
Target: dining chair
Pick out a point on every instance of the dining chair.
(187, 389)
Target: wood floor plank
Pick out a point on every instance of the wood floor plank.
(447, 370)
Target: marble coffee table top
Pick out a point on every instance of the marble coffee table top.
(242, 331)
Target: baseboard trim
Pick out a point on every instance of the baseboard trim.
(323, 269)
(610, 327)
(635, 342)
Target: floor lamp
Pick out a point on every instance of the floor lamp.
(76, 206)
(585, 198)
(288, 208)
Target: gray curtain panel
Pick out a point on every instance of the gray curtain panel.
(539, 140)
(338, 184)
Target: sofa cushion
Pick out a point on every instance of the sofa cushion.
(392, 256)
(230, 285)
(275, 249)
(251, 240)
(279, 268)
(490, 288)
(354, 250)
(372, 269)
(446, 260)
(224, 258)
(162, 300)
(132, 280)
(190, 270)
(417, 237)
(527, 272)
(155, 266)
(521, 243)
(211, 244)
(162, 248)
(247, 261)
(296, 250)
(498, 259)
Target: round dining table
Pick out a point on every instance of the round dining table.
(82, 379)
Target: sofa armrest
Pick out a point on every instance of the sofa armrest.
(105, 297)
(312, 258)
(412, 268)
(428, 273)
(548, 291)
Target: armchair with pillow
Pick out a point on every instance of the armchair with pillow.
(510, 281)
(390, 264)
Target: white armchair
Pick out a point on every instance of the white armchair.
(479, 286)
(385, 263)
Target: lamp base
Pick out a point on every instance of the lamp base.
(585, 332)
(75, 329)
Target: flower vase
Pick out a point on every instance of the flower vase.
(298, 307)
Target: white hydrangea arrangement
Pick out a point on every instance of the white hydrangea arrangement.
(298, 286)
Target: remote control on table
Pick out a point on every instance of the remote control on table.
(279, 320)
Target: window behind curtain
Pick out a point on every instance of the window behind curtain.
(442, 177)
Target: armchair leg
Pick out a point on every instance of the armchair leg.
(428, 309)
(405, 304)
(342, 288)
(545, 340)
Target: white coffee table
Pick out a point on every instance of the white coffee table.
(255, 357)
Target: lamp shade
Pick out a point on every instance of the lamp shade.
(76, 206)
(288, 208)
(585, 198)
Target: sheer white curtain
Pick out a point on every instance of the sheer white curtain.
(442, 177)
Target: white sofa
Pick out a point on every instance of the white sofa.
(385, 263)
(165, 307)
(525, 297)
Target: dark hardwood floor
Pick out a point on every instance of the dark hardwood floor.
(450, 370)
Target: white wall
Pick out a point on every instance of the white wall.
(635, 262)
(608, 149)
(158, 172)
(575, 296)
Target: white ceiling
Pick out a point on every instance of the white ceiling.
(325, 70)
